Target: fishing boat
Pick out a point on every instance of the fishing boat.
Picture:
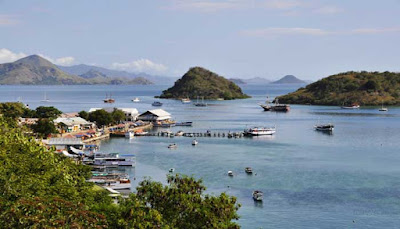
(200, 104)
(108, 99)
(186, 100)
(172, 146)
(184, 124)
(157, 104)
(136, 100)
(258, 195)
(45, 99)
(257, 131)
(129, 134)
(194, 142)
(324, 127)
(248, 170)
(383, 108)
(230, 173)
(352, 106)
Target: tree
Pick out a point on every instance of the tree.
(84, 115)
(182, 203)
(44, 127)
(101, 117)
(47, 112)
(12, 110)
(117, 115)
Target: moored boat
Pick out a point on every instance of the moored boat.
(186, 100)
(108, 99)
(157, 104)
(258, 195)
(383, 108)
(173, 146)
(184, 124)
(257, 131)
(248, 170)
(129, 134)
(136, 100)
(230, 173)
(200, 104)
(195, 142)
(352, 106)
(324, 127)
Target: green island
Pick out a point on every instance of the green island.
(200, 82)
(364, 88)
(41, 188)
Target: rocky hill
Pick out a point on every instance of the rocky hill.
(201, 82)
(35, 70)
(289, 79)
(365, 88)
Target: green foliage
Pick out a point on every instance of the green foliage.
(117, 115)
(44, 127)
(48, 213)
(100, 117)
(204, 83)
(84, 115)
(366, 88)
(12, 109)
(47, 112)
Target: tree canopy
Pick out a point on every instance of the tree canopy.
(101, 117)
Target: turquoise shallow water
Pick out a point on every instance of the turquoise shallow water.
(310, 179)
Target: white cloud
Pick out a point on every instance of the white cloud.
(6, 20)
(141, 65)
(7, 56)
(271, 32)
(64, 61)
(328, 10)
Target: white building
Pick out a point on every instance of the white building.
(130, 113)
(73, 124)
(155, 115)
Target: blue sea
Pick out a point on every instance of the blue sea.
(349, 179)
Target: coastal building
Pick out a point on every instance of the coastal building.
(74, 124)
(154, 115)
(130, 113)
(27, 121)
(65, 143)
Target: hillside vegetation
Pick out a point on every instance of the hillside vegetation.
(365, 88)
(203, 83)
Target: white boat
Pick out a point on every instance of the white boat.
(258, 195)
(136, 100)
(324, 127)
(171, 170)
(129, 134)
(195, 142)
(230, 173)
(143, 133)
(248, 170)
(114, 161)
(173, 146)
(352, 106)
(179, 133)
(257, 131)
(187, 100)
(45, 99)
(383, 108)
(157, 104)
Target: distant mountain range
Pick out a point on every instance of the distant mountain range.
(288, 79)
(35, 70)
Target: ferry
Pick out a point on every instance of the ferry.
(257, 131)
(258, 195)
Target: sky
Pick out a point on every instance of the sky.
(310, 39)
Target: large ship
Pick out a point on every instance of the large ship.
(275, 107)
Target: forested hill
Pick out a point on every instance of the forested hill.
(365, 88)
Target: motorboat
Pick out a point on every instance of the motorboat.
(230, 173)
(258, 195)
(352, 106)
(171, 170)
(157, 104)
(257, 131)
(141, 133)
(129, 134)
(136, 100)
(186, 100)
(248, 170)
(184, 124)
(324, 127)
(195, 142)
(173, 146)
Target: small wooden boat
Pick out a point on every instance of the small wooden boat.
(194, 142)
(324, 127)
(248, 170)
(258, 195)
(230, 173)
(173, 146)
(157, 104)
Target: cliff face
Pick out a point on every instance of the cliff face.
(204, 83)
(365, 88)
